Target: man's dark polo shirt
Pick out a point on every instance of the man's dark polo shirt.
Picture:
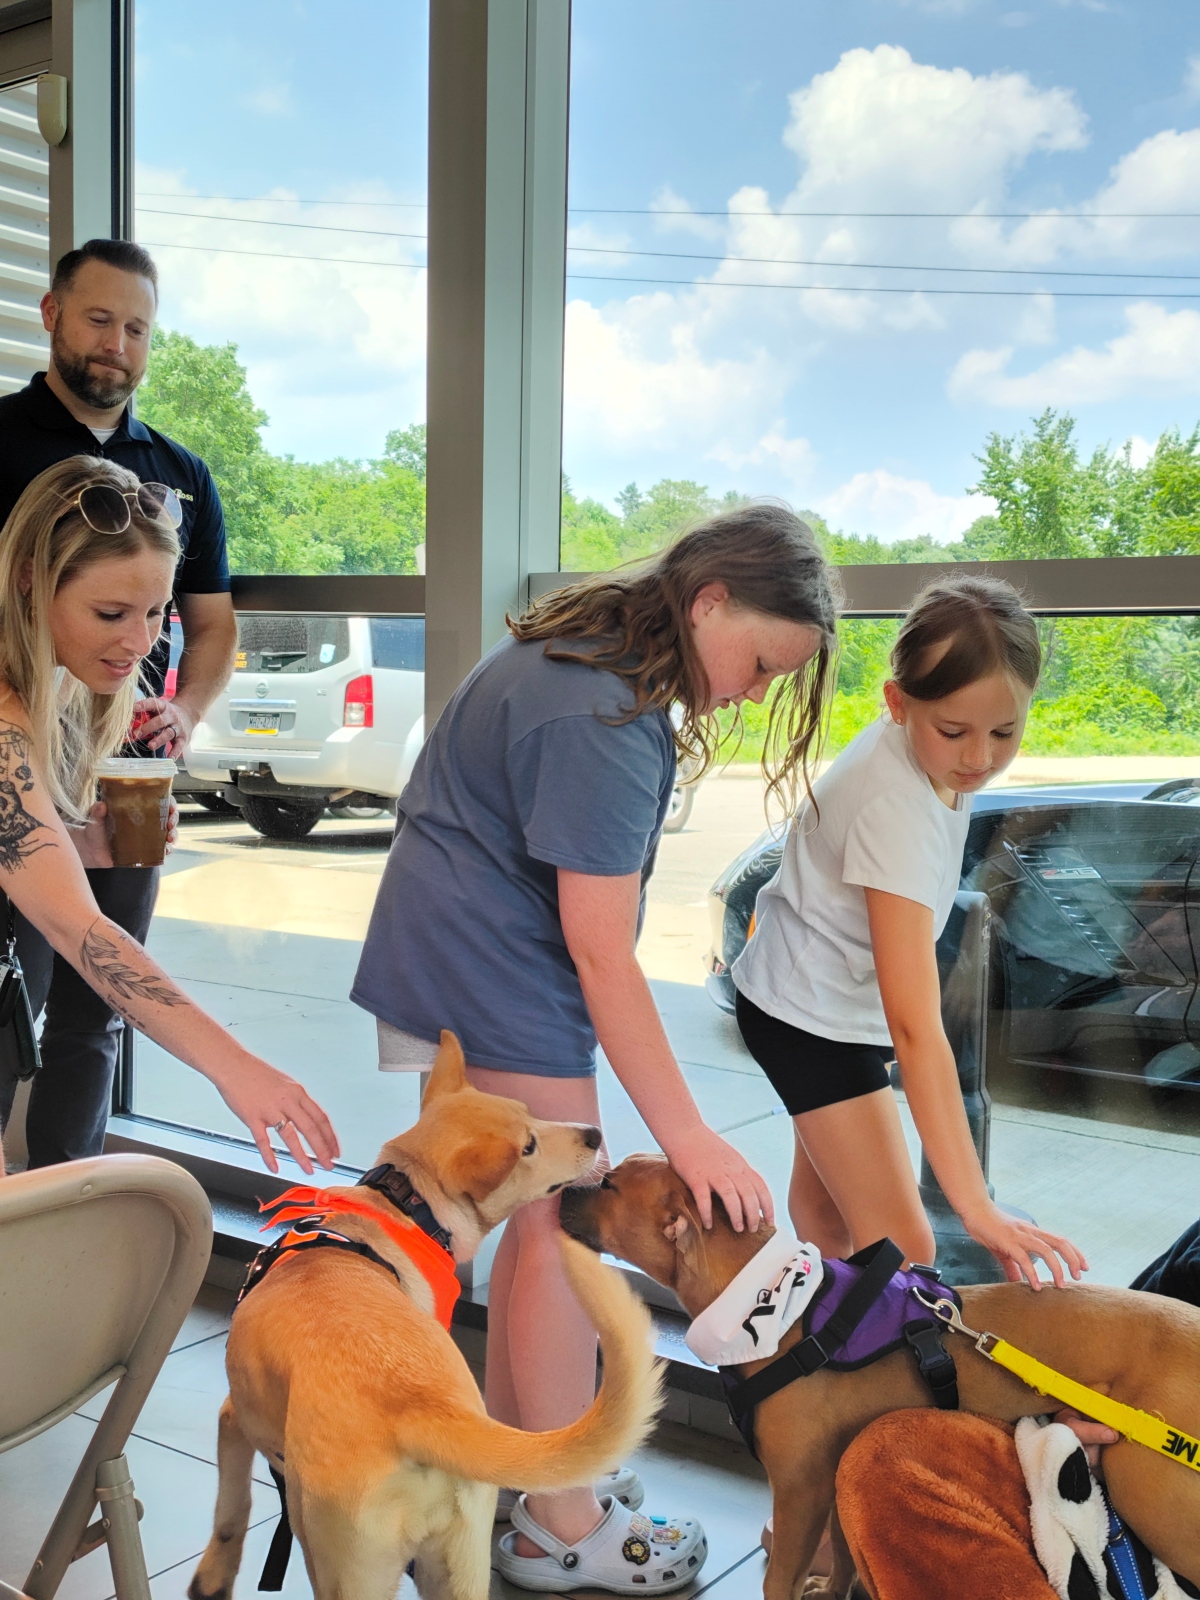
(36, 430)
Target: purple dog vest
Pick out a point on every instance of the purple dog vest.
(864, 1310)
(882, 1329)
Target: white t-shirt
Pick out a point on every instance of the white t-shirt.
(103, 435)
(881, 826)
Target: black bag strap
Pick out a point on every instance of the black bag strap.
(879, 1263)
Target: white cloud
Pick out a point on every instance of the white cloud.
(1158, 354)
(891, 507)
(1140, 450)
(636, 378)
(271, 100)
(881, 126)
(334, 348)
(1191, 77)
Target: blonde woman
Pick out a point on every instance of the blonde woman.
(87, 560)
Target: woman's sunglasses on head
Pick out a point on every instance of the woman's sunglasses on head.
(106, 509)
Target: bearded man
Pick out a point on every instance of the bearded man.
(100, 313)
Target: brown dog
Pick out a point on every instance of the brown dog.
(1140, 1348)
(345, 1382)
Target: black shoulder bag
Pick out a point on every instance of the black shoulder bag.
(15, 1012)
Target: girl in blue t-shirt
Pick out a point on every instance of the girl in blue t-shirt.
(841, 974)
(526, 835)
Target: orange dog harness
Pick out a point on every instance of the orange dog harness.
(320, 1207)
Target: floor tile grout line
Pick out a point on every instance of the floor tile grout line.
(183, 1562)
(721, 1576)
(180, 1348)
(145, 1438)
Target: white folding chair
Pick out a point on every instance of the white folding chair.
(100, 1261)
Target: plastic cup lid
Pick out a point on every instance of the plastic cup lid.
(136, 767)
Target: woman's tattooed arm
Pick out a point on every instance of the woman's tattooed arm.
(21, 833)
(104, 959)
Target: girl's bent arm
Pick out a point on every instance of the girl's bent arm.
(599, 923)
(42, 875)
(906, 968)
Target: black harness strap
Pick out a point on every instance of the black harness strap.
(275, 1567)
(879, 1262)
(934, 1363)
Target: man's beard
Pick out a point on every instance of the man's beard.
(101, 393)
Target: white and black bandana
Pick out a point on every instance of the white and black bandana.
(747, 1320)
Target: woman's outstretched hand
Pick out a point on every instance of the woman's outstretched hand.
(710, 1167)
(263, 1098)
(1017, 1245)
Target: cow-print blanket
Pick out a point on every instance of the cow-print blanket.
(1070, 1522)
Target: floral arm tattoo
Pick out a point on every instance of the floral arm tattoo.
(21, 834)
(106, 965)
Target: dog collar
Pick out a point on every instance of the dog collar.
(435, 1263)
(749, 1317)
(396, 1186)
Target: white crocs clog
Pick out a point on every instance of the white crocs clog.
(626, 1553)
(624, 1485)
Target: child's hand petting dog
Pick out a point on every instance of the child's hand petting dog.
(1091, 1435)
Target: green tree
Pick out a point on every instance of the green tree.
(197, 394)
(591, 537)
(1172, 479)
(1049, 502)
(407, 448)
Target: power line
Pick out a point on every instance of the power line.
(883, 266)
(685, 283)
(868, 288)
(270, 222)
(658, 211)
(693, 255)
(274, 255)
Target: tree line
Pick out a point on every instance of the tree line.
(1111, 686)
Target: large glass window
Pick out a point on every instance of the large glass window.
(280, 184)
(929, 274)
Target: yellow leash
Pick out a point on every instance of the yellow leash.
(1139, 1426)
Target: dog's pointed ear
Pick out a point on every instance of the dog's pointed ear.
(479, 1167)
(449, 1073)
(677, 1229)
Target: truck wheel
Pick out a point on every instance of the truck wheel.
(278, 818)
(683, 798)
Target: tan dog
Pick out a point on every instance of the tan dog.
(346, 1383)
(1141, 1348)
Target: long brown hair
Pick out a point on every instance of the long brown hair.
(44, 544)
(637, 621)
(985, 628)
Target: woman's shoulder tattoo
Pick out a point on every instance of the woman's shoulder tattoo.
(21, 833)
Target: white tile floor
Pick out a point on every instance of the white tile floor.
(172, 1458)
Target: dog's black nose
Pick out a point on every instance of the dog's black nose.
(592, 1137)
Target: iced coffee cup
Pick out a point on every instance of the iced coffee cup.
(137, 794)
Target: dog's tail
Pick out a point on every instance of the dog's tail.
(616, 1422)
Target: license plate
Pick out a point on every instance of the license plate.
(262, 722)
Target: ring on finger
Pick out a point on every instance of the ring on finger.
(278, 1127)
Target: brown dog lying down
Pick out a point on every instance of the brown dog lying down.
(1141, 1348)
(345, 1381)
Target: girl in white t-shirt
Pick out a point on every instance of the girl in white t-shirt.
(840, 973)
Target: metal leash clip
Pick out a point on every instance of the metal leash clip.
(947, 1311)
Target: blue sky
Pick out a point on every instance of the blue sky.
(865, 404)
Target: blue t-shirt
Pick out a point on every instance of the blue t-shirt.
(521, 775)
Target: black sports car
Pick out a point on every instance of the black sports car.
(1092, 973)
